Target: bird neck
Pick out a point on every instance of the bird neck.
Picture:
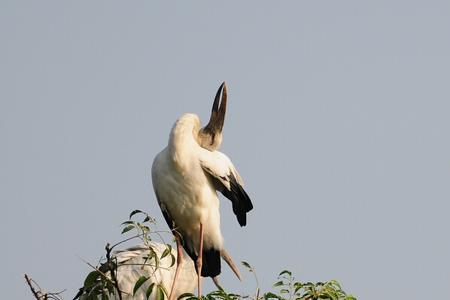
(182, 141)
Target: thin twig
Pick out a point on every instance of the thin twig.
(126, 240)
(143, 265)
(37, 294)
(101, 273)
(37, 290)
(112, 269)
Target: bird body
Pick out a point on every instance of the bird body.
(185, 192)
(132, 263)
(186, 176)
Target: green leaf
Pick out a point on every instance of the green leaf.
(144, 228)
(330, 292)
(236, 296)
(159, 293)
(185, 295)
(127, 222)
(127, 228)
(335, 283)
(92, 296)
(136, 211)
(139, 283)
(149, 290)
(297, 286)
(110, 287)
(165, 253)
(164, 290)
(270, 295)
(151, 254)
(309, 285)
(246, 264)
(91, 279)
(278, 283)
(218, 294)
(285, 272)
(105, 296)
(173, 260)
(284, 291)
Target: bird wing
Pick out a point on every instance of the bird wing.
(134, 262)
(219, 168)
(159, 168)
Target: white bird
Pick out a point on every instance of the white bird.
(186, 176)
(132, 263)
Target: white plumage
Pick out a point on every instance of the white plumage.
(132, 265)
(185, 190)
(186, 177)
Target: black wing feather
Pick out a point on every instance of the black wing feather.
(239, 198)
(236, 194)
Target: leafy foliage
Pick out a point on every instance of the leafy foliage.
(289, 289)
(101, 283)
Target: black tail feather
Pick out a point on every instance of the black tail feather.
(240, 200)
(211, 264)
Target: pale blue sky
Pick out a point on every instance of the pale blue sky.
(338, 121)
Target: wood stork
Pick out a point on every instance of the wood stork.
(186, 176)
(132, 263)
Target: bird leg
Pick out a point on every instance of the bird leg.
(199, 263)
(179, 262)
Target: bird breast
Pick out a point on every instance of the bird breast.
(187, 195)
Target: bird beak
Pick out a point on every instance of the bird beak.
(215, 124)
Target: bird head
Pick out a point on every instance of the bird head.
(210, 136)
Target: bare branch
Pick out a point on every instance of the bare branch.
(37, 291)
